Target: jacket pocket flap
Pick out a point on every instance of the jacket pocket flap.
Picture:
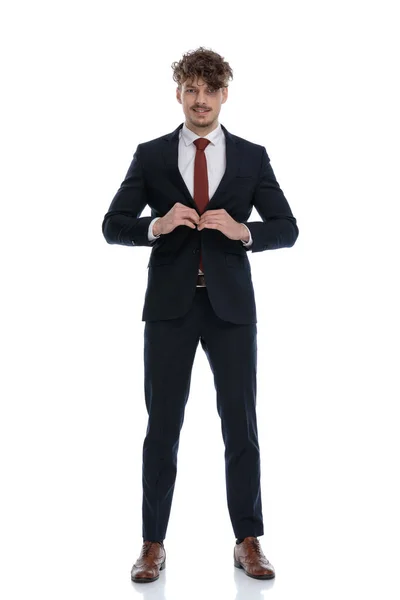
(160, 259)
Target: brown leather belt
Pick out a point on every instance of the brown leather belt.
(201, 282)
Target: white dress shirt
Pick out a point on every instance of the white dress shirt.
(216, 163)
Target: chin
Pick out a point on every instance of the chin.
(202, 122)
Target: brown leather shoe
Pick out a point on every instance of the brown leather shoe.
(249, 556)
(150, 562)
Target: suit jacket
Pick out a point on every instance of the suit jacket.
(153, 178)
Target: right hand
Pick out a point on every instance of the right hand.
(180, 214)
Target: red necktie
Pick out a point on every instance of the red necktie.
(200, 189)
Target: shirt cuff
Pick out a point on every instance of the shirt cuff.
(249, 243)
(150, 234)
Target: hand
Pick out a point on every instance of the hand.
(180, 214)
(221, 220)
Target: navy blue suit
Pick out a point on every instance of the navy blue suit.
(222, 316)
(153, 178)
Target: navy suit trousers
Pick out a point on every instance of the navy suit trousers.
(169, 352)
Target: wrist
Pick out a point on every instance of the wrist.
(157, 227)
(245, 237)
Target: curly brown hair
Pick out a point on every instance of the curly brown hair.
(203, 63)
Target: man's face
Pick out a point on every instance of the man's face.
(196, 95)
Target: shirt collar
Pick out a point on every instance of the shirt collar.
(190, 136)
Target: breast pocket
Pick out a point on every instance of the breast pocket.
(244, 179)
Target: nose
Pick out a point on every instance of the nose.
(201, 97)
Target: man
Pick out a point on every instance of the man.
(201, 183)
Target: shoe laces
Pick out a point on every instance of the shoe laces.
(148, 548)
(254, 545)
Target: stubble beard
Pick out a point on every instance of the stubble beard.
(199, 122)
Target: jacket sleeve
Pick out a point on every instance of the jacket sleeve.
(122, 223)
(278, 228)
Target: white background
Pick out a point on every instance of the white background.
(316, 84)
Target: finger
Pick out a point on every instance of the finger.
(220, 221)
(215, 211)
(188, 223)
(190, 213)
(209, 226)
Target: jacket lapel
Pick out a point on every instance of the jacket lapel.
(170, 154)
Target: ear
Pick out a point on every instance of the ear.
(224, 94)
(178, 95)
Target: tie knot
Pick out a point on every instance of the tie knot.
(201, 143)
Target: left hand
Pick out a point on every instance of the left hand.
(221, 220)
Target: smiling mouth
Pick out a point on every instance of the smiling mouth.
(201, 110)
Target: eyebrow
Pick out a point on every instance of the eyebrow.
(194, 87)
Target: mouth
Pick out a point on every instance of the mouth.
(201, 111)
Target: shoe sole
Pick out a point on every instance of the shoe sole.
(148, 579)
(239, 566)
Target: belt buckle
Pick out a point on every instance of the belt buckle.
(201, 281)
